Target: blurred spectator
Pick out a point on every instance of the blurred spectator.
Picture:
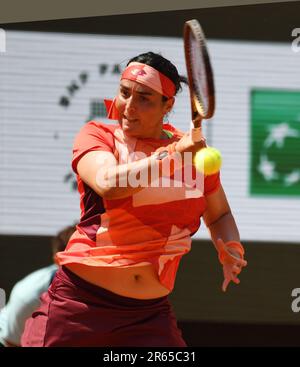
(25, 295)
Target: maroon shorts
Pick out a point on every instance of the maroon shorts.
(76, 313)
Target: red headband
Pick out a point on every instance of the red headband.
(146, 75)
(150, 77)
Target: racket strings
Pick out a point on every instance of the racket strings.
(199, 70)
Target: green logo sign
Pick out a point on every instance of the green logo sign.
(275, 143)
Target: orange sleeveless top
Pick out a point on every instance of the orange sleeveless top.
(153, 226)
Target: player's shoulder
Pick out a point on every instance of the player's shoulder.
(98, 126)
(93, 131)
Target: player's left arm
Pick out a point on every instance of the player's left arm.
(218, 217)
(225, 235)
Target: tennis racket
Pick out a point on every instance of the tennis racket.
(200, 76)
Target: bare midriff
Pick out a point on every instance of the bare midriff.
(139, 282)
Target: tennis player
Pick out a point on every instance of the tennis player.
(120, 265)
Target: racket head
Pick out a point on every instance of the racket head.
(199, 70)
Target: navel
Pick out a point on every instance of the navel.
(137, 277)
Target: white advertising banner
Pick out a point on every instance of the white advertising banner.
(51, 84)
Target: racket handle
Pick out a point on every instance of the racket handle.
(196, 133)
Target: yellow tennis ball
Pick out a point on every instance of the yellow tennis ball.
(208, 160)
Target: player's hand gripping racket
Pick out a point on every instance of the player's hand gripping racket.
(200, 76)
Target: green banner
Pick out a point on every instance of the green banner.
(275, 143)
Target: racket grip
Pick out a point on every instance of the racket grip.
(196, 133)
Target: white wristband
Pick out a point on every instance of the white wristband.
(196, 134)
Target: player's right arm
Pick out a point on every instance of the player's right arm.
(95, 163)
(101, 172)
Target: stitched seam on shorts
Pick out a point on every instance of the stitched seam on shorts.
(48, 311)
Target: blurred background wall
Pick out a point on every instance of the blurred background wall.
(54, 77)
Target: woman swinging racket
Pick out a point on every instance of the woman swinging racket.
(120, 265)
